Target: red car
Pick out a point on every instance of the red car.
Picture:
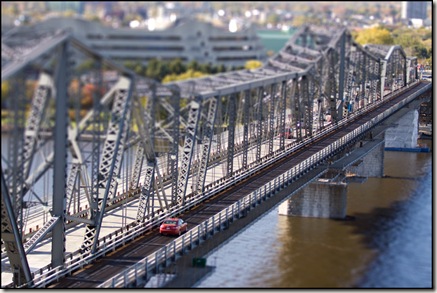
(173, 226)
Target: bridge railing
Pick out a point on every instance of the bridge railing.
(47, 275)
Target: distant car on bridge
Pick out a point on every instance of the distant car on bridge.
(173, 226)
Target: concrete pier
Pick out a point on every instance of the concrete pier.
(371, 165)
(326, 197)
(317, 200)
(405, 132)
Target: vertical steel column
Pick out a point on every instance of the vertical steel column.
(350, 80)
(146, 120)
(383, 76)
(282, 114)
(298, 109)
(363, 82)
(111, 158)
(271, 130)
(174, 150)
(15, 175)
(206, 143)
(332, 86)
(95, 155)
(311, 95)
(342, 70)
(259, 125)
(246, 124)
(145, 129)
(231, 133)
(187, 155)
(306, 104)
(60, 160)
(377, 80)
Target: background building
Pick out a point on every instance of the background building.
(414, 9)
(187, 39)
(61, 6)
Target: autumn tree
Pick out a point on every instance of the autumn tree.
(374, 35)
(253, 64)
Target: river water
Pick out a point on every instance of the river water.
(387, 244)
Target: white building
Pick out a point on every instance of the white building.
(186, 39)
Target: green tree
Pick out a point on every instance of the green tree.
(153, 69)
(86, 66)
(273, 19)
(176, 66)
(194, 65)
(205, 68)
(221, 68)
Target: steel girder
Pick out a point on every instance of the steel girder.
(259, 119)
(411, 70)
(304, 104)
(296, 106)
(111, 159)
(26, 146)
(232, 108)
(145, 148)
(15, 177)
(206, 145)
(282, 114)
(11, 237)
(246, 124)
(42, 48)
(174, 150)
(189, 142)
(271, 117)
(60, 162)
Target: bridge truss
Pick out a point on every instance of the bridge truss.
(83, 140)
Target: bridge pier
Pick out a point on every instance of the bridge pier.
(326, 197)
(404, 134)
(371, 165)
(317, 200)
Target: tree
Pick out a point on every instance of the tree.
(253, 64)
(86, 66)
(374, 35)
(5, 91)
(88, 90)
(190, 73)
(273, 19)
(153, 69)
(301, 20)
(206, 68)
(221, 68)
(176, 66)
(194, 65)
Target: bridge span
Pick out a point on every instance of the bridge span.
(89, 185)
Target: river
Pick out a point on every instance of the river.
(387, 244)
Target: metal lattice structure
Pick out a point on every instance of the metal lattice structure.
(185, 137)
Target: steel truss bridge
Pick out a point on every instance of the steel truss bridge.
(83, 141)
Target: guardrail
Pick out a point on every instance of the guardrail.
(78, 259)
(139, 273)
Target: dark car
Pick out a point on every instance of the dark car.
(173, 226)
